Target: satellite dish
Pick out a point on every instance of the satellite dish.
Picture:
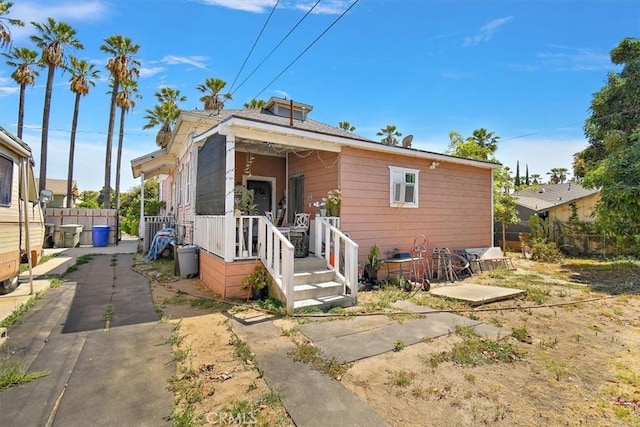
(406, 141)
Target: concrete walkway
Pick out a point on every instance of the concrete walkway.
(311, 398)
(98, 377)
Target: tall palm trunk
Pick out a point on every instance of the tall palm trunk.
(107, 162)
(119, 158)
(45, 128)
(23, 89)
(72, 148)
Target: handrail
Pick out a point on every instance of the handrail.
(330, 242)
(276, 253)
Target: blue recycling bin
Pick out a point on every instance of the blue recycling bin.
(100, 235)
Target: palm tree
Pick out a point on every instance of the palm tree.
(22, 59)
(5, 33)
(488, 141)
(558, 175)
(211, 89)
(346, 126)
(83, 75)
(255, 103)
(121, 66)
(165, 114)
(535, 178)
(124, 99)
(390, 134)
(53, 38)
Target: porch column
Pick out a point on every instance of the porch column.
(141, 223)
(229, 216)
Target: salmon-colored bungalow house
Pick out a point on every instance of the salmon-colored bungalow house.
(390, 195)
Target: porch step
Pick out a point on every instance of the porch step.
(316, 290)
(325, 302)
(305, 277)
(309, 264)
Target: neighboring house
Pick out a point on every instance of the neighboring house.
(552, 201)
(59, 188)
(391, 194)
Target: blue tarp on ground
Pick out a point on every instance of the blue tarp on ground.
(163, 238)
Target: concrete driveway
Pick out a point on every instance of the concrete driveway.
(98, 377)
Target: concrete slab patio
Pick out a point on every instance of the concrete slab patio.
(357, 338)
(476, 294)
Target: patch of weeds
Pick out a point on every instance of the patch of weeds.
(401, 378)
(436, 359)
(289, 332)
(56, 282)
(71, 269)
(470, 377)
(252, 386)
(338, 310)
(549, 344)
(577, 337)
(175, 339)
(160, 313)
(180, 354)
(473, 351)
(537, 295)
(399, 345)
(114, 260)
(521, 334)
(242, 411)
(17, 314)
(175, 300)
(496, 322)
(108, 313)
(84, 259)
(14, 373)
(307, 353)
(270, 398)
(208, 304)
(184, 417)
(308, 309)
(273, 304)
(558, 368)
(473, 316)
(242, 351)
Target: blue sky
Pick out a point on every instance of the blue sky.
(525, 70)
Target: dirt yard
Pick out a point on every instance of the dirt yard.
(567, 363)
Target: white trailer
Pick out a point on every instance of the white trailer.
(21, 223)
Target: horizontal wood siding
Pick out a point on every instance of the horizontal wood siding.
(321, 174)
(225, 279)
(455, 203)
(210, 176)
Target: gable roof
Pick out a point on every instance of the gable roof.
(333, 135)
(266, 116)
(545, 196)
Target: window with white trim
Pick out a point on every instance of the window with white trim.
(180, 186)
(403, 187)
(6, 181)
(188, 185)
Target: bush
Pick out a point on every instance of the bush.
(546, 251)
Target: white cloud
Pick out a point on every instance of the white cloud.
(456, 75)
(150, 71)
(281, 94)
(68, 11)
(196, 61)
(486, 31)
(328, 7)
(255, 6)
(565, 58)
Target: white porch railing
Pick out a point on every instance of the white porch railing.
(340, 252)
(255, 237)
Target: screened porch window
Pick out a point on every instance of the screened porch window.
(6, 181)
(403, 189)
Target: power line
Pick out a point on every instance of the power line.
(254, 44)
(307, 48)
(277, 46)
